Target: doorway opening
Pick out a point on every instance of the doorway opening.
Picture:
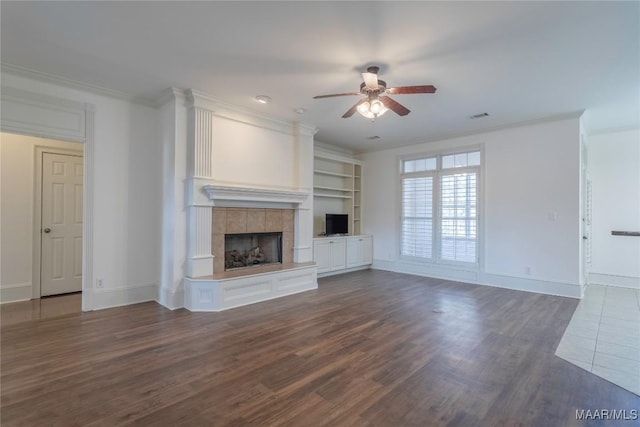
(42, 216)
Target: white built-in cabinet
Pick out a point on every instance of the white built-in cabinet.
(342, 253)
(337, 185)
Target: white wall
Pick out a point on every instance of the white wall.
(17, 159)
(530, 213)
(126, 193)
(250, 155)
(614, 171)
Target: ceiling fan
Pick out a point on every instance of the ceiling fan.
(376, 103)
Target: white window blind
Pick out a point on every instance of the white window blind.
(439, 207)
(458, 230)
(417, 216)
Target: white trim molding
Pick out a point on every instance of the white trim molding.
(216, 193)
(172, 299)
(15, 292)
(115, 297)
(613, 280)
(536, 285)
(32, 114)
(75, 84)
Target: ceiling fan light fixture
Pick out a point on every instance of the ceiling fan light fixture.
(377, 102)
(372, 109)
(376, 106)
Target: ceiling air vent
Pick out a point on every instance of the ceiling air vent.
(477, 116)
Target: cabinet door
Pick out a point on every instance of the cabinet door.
(338, 254)
(354, 252)
(359, 251)
(367, 250)
(322, 255)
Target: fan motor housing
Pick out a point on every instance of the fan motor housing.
(382, 86)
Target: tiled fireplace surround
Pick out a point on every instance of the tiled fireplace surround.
(250, 220)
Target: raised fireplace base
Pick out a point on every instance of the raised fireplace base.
(241, 287)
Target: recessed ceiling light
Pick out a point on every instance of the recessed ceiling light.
(263, 99)
(300, 110)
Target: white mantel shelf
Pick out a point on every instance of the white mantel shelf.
(218, 192)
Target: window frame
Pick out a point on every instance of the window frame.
(437, 174)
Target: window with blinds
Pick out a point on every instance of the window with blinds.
(458, 237)
(439, 207)
(417, 216)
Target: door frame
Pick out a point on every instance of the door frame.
(34, 114)
(36, 287)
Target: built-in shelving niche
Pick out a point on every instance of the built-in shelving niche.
(337, 184)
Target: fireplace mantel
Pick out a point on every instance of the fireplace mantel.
(217, 192)
(206, 193)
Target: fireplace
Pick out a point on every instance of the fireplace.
(251, 237)
(248, 250)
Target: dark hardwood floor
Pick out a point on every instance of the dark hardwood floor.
(369, 348)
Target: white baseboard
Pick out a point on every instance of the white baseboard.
(536, 285)
(435, 271)
(115, 297)
(15, 292)
(346, 270)
(611, 280)
(172, 299)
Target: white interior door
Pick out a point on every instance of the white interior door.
(61, 231)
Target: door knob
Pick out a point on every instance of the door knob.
(47, 230)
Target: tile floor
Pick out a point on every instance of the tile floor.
(603, 336)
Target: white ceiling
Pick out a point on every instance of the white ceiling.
(518, 61)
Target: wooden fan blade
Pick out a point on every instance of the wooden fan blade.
(353, 109)
(370, 80)
(336, 94)
(399, 109)
(411, 89)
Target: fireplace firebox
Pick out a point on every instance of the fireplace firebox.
(248, 250)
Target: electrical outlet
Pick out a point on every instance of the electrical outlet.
(99, 283)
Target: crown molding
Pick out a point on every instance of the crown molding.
(595, 132)
(169, 95)
(75, 84)
(325, 148)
